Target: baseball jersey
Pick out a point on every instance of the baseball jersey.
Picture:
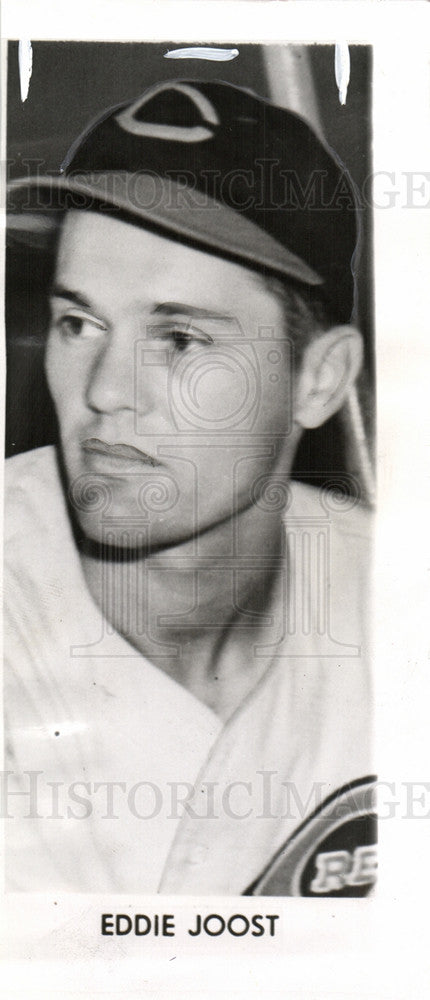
(118, 779)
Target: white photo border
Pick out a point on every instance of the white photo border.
(323, 948)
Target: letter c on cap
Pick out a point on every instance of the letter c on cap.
(196, 133)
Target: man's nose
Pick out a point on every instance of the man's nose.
(112, 379)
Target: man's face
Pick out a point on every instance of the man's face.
(170, 372)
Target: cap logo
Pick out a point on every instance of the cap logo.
(129, 121)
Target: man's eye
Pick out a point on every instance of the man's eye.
(183, 337)
(73, 326)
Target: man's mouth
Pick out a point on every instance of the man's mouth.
(118, 451)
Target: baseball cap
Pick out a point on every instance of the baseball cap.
(216, 166)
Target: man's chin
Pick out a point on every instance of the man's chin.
(134, 537)
(127, 511)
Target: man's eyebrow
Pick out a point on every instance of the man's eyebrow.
(163, 308)
(61, 292)
(196, 312)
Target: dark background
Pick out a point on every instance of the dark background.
(72, 82)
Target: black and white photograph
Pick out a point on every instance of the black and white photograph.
(214, 440)
(188, 486)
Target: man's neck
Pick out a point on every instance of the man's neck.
(200, 609)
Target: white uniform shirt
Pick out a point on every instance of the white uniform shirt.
(97, 719)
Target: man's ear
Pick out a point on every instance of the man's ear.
(330, 365)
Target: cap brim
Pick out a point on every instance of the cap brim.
(159, 202)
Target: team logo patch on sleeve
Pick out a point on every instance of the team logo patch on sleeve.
(333, 853)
